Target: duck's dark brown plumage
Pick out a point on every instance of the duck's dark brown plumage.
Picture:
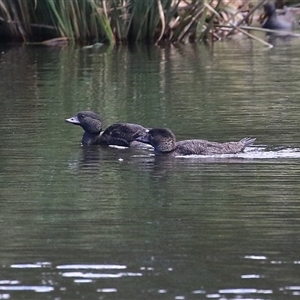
(120, 134)
(164, 142)
(278, 22)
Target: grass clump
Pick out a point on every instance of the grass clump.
(114, 21)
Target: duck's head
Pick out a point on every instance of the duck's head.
(162, 139)
(88, 120)
(269, 8)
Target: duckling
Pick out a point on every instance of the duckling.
(120, 134)
(164, 142)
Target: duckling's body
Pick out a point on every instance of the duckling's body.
(278, 22)
(120, 134)
(164, 143)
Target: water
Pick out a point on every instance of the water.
(107, 223)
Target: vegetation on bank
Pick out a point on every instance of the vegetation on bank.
(114, 21)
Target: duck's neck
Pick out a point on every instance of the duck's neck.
(164, 150)
(166, 153)
(90, 138)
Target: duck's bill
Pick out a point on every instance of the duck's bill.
(73, 120)
(143, 139)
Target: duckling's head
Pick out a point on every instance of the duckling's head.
(88, 120)
(162, 139)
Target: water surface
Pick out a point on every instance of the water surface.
(107, 223)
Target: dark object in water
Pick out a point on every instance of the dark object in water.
(275, 21)
(164, 142)
(120, 134)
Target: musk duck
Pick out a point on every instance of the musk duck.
(278, 22)
(164, 142)
(120, 134)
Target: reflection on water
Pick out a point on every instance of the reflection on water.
(110, 223)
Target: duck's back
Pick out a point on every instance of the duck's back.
(204, 147)
(277, 23)
(122, 134)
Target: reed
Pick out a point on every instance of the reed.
(111, 21)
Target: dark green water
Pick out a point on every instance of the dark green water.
(94, 223)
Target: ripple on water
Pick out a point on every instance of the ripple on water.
(38, 289)
(254, 153)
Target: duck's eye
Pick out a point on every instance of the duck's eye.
(82, 116)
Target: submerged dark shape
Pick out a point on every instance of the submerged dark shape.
(164, 142)
(274, 21)
(120, 134)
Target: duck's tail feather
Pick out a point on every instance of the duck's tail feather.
(247, 141)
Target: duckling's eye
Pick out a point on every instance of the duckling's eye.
(82, 116)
